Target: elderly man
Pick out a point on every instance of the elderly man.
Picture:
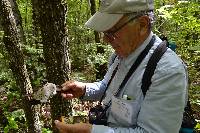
(127, 28)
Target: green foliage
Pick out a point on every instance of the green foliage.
(88, 58)
(83, 49)
(6, 77)
(11, 100)
(14, 119)
(4, 72)
(26, 14)
(35, 64)
(198, 126)
(45, 130)
(12, 125)
(99, 58)
(33, 48)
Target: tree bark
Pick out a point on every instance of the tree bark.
(12, 43)
(35, 18)
(93, 10)
(100, 68)
(55, 48)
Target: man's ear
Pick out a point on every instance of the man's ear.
(144, 25)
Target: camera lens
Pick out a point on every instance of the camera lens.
(92, 116)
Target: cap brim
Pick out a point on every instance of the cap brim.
(103, 21)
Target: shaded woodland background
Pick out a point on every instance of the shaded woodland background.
(43, 40)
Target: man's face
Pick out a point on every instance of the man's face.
(124, 37)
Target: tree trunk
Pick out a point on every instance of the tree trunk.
(17, 64)
(93, 10)
(55, 48)
(18, 20)
(100, 68)
(35, 18)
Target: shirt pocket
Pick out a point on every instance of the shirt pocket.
(125, 112)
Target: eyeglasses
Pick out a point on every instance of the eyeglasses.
(110, 35)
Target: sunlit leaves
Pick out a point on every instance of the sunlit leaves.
(25, 8)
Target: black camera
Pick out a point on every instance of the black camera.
(97, 115)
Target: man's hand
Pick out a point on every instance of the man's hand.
(72, 89)
(73, 128)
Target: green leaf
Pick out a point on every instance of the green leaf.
(195, 48)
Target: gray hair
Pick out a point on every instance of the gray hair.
(150, 14)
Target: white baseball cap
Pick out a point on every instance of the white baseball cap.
(111, 11)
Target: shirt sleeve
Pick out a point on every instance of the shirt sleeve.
(163, 106)
(94, 91)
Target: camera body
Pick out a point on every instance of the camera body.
(97, 115)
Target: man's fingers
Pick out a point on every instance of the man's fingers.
(67, 96)
(67, 82)
(61, 126)
(68, 85)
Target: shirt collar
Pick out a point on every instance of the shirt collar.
(133, 56)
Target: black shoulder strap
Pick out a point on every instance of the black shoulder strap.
(151, 66)
(135, 65)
